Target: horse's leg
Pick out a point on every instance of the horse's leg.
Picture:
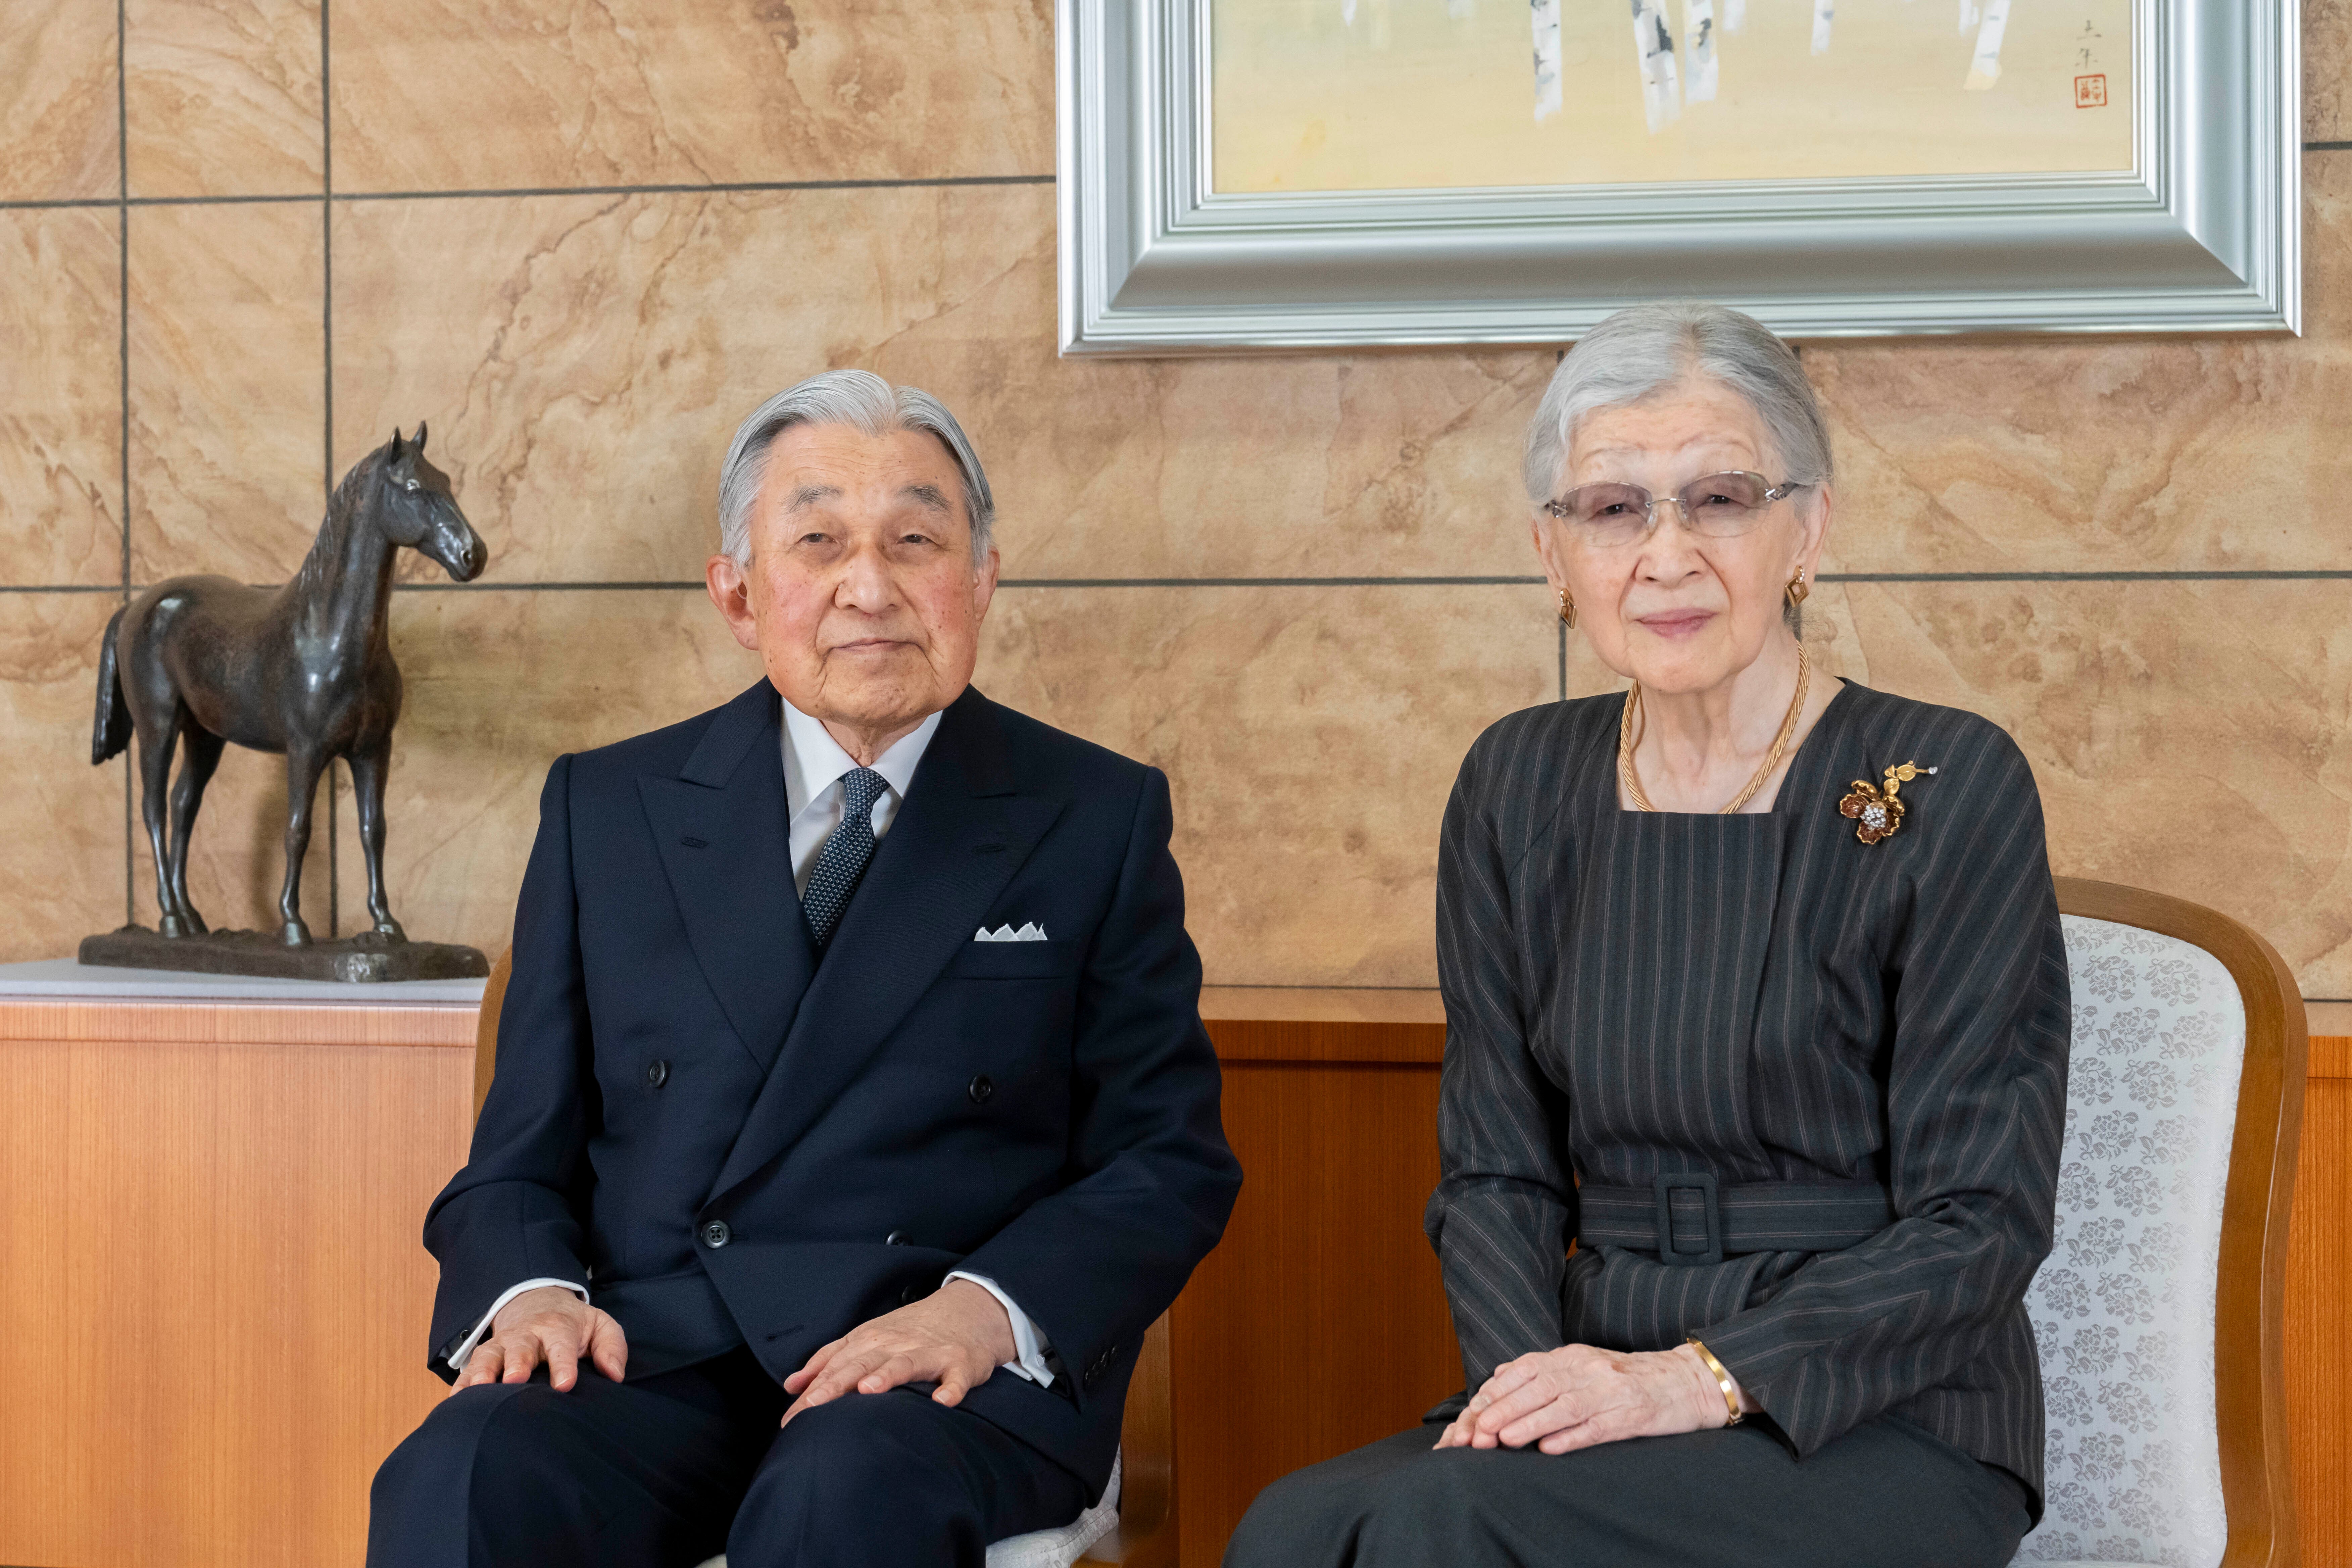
(303, 770)
(198, 757)
(367, 789)
(155, 745)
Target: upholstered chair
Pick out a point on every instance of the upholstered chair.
(2158, 1314)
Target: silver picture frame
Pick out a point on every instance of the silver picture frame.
(2204, 235)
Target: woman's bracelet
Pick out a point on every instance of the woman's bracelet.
(1722, 1380)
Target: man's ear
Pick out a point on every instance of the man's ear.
(729, 587)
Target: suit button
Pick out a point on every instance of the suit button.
(656, 1075)
(910, 1295)
(896, 1239)
(716, 1235)
(980, 1090)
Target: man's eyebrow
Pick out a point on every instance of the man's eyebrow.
(929, 496)
(809, 495)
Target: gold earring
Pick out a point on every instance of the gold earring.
(1566, 608)
(1798, 590)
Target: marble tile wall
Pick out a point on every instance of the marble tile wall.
(581, 241)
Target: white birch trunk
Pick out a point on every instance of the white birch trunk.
(1698, 48)
(1985, 70)
(1661, 95)
(1543, 16)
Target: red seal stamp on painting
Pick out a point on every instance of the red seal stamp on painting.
(2091, 91)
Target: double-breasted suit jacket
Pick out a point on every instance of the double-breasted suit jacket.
(730, 1138)
(1833, 1072)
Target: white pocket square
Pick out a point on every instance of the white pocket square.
(1033, 931)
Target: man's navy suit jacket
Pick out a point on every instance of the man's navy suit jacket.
(675, 1057)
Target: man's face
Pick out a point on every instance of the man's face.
(861, 598)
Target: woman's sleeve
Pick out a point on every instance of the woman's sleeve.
(1976, 1114)
(1500, 1216)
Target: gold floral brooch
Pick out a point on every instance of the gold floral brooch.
(1876, 811)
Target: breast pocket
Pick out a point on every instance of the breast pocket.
(1016, 961)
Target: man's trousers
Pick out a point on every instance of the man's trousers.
(674, 1469)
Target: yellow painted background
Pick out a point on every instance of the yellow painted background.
(1408, 96)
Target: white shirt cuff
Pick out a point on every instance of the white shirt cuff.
(465, 1347)
(1029, 1346)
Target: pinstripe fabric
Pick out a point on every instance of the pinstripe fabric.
(1763, 998)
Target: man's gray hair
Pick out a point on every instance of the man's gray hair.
(1646, 350)
(863, 401)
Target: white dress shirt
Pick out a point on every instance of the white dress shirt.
(815, 765)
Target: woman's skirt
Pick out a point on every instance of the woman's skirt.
(1887, 1493)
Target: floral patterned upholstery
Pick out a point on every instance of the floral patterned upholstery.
(2123, 1310)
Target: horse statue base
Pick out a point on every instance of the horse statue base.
(371, 956)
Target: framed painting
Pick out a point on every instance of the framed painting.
(1303, 174)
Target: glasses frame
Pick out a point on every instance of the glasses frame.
(1559, 508)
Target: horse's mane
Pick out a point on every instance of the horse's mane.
(342, 510)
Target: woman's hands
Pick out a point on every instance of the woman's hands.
(1577, 1396)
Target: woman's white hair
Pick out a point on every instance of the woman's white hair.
(1646, 350)
(863, 401)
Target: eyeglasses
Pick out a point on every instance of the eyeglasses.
(1719, 505)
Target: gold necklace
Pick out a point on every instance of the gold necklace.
(1626, 740)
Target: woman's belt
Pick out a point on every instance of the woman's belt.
(1714, 1222)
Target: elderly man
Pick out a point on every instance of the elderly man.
(853, 1117)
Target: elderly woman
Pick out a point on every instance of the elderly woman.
(1755, 1066)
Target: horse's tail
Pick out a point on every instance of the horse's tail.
(113, 733)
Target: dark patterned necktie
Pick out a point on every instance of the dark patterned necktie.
(846, 850)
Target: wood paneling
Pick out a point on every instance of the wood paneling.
(1320, 1324)
(212, 1290)
(212, 1296)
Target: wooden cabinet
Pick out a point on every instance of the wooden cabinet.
(212, 1296)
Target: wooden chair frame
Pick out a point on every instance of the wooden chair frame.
(1146, 1536)
(2249, 1317)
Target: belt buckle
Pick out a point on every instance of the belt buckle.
(1695, 1181)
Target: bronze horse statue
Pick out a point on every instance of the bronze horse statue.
(305, 670)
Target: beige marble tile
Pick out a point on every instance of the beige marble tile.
(221, 97)
(236, 854)
(497, 685)
(227, 390)
(60, 399)
(2092, 455)
(61, 873)
(57, 112)
(441, 95)
(2326, 85)
(584, 362)
(2187, 737)
(1310, 738)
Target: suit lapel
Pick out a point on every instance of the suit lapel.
(724, 833)
(962, 833)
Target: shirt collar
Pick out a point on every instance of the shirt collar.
(814, 762)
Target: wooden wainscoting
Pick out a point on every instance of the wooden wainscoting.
(211, 1291)
(212, 1296)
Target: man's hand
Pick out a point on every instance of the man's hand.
(954, 1337)
(1577, 1396)
(548, 1324)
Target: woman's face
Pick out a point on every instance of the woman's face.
(1675, 610)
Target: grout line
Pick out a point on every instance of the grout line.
(122, 349)
(2327, 146)
(693, 585)
(715, 187)
(2280, 576)
(725, 187)
(327, 391)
